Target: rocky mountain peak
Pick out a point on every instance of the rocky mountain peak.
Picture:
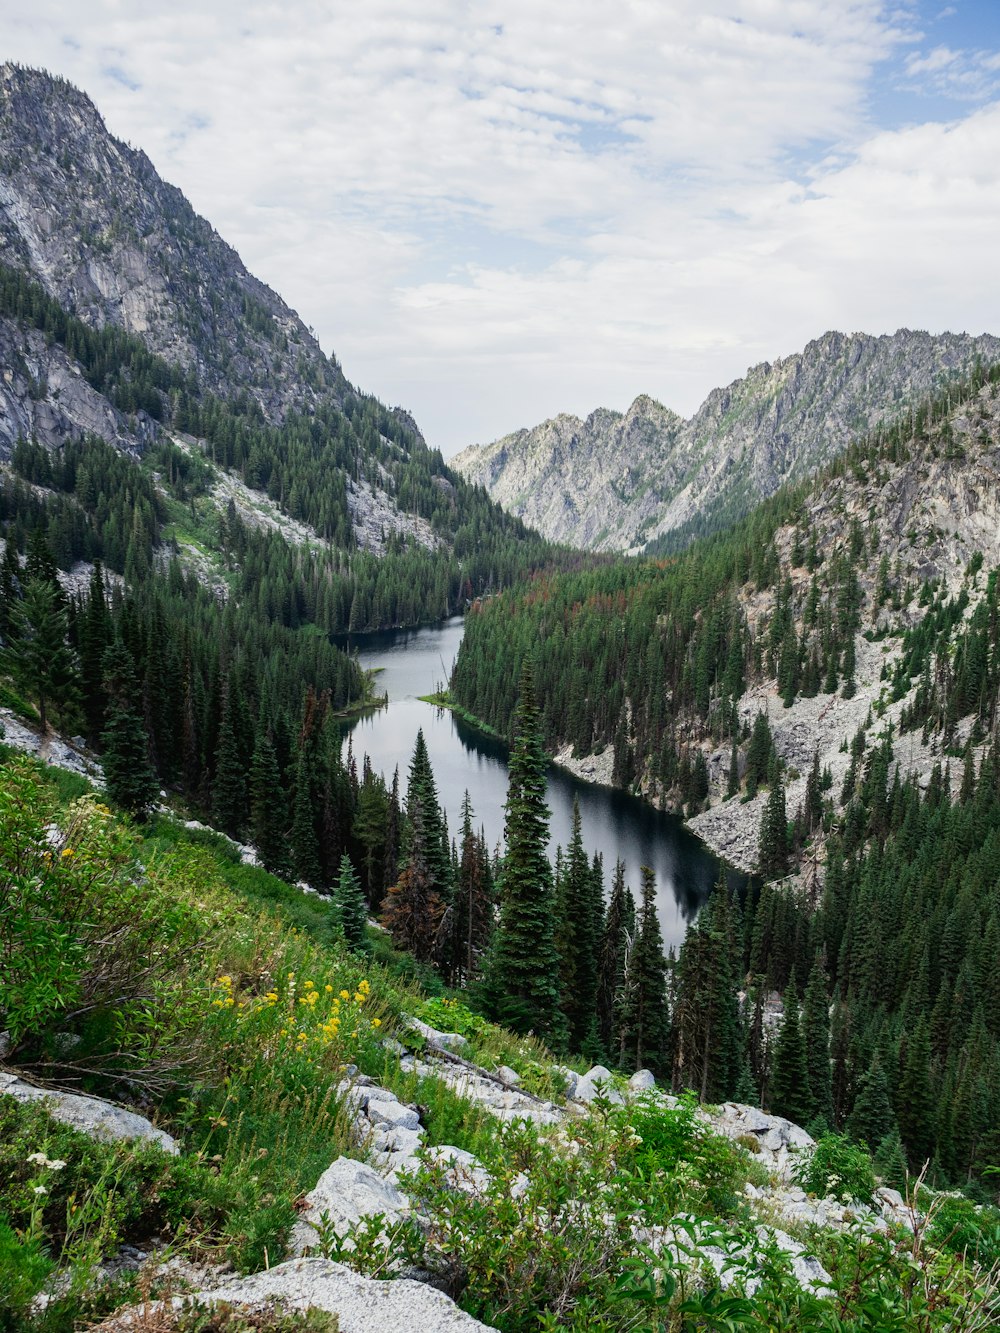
(90, 219)
(652, 475)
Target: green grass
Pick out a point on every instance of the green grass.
(445, 699)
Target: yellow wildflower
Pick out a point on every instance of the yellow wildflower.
(67, 851)
(376, 1022)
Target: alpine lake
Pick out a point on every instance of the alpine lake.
(414, 663)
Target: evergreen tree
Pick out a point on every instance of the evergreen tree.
(707, 1048)
(423, 789)
(95, 634)
(871, 1118)
(816, 1035)
(577, 934)
(38, 654)
(473, 900)
(412, 910)
(268, 808)
(351, 907)
(522, 984)
(644, 1017)
(890, 1162)
(304, 844)
(773, 849)
(759, 754)
(128, 775)
(229, 787)
(612, 952)
(789, 1089)
(915, 1104)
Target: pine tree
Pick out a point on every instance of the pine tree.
(644, 1017)
(229, 787)
(422, 788)
(351, 907)
(890, 1162)
(612, 951)
(522, 984)
(413, 909)
(707, 1047)
(577, 930)
(759, 753)
(304, 844)
(871, 1118)
(268, 808)
(474, 920)
(816, 1035)
(773, 849)
(915, 1103)
(789, 1091)
(38, 654)
(96, 632)
(128, 775)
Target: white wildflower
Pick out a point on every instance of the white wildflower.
(38, 1158)
(39, 1189)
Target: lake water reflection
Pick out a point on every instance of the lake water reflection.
(416, 662)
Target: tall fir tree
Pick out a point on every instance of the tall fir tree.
(128, 775)
(616, 940)
(789, 1090)
(95, 634)
(816, 1035)
(474, 921)
(303, 842)
(521, 988)
(773, 847)
(38, 654)
(412, 911)
(229, 786)
(268, 807)
(707, 1050)
(871, 1119)
(644, 1016)
(351, 908)
(579, 912)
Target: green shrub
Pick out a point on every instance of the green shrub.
(962, 1227)
(838, 1168)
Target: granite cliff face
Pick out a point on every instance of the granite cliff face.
(89, 218)
(619, 482)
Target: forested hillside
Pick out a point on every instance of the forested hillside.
(825, 677)
(124, 315)
(193, 498)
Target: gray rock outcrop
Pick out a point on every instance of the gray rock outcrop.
(90, 1115)
(362, 1304)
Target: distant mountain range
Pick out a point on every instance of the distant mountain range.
(619, 482)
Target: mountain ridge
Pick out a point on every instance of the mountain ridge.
(777, 423)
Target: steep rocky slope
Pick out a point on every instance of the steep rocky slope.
(125, 317)
(929, 524)
(618, 482)
(90, 218)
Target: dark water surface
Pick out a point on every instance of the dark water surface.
(416, 662)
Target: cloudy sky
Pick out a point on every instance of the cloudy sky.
(496, 210)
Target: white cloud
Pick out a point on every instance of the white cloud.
(496, 210)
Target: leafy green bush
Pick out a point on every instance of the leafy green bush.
(962, 1227)
(675, 1143)
(838, 1168)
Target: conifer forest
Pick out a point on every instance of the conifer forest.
(200, 519)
